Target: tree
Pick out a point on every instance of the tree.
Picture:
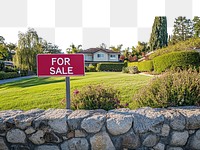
(50, 48)
(183, 29)
(73, 49)
(142, 47)
(196, 22)
(159, 34)
(3, 49)
(11, 50)
(28, 47)
(102, 46)
(118, 48)
(2, 40)
(3, 52)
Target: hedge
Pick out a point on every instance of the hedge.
(2, 65)
(143, 66)
(117, 67)
(8, 75)
(181, 59)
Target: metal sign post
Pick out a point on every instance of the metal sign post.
(67, 80)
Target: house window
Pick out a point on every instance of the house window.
(112, 56)
(100, 55)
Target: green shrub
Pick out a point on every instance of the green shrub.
(125, 63)
(116, 67)
(2, 65)
(173, 60)
(133, 64)
(180, 46)
(143, 66)
(86, 69)
(9, 69)
(174, 88)
(131, 70)
(96, 97)
(24, 72)
(91, 68)
(125, 70)
(8, 75)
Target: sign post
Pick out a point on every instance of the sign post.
(67, 80)
(66, 65)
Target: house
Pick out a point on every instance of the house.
(96, 55)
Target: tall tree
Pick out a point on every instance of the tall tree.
(28, 47)
(196, 22)
(117, 48)
(159, 34)
(73, 49)
(183, 29)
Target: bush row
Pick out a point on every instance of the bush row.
(143, 66)
(173, 60)
(180, 46)
(117, 67)
(8, 75)
(181, 59)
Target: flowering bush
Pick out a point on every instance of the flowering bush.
(96, 97)
(174, 88)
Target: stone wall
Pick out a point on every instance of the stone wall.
(122, 129)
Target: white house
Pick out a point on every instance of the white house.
(96, 55)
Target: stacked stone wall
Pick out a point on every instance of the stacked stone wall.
(120, 129)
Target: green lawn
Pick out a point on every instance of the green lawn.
(47, 93)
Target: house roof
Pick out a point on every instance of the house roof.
(94, 50)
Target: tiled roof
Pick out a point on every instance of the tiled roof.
(94, 50)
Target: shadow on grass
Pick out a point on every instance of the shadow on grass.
(35, 82)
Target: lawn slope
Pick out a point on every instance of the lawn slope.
(47, 93)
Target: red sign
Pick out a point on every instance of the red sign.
(60, 65)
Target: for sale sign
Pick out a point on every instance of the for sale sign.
(60, 65)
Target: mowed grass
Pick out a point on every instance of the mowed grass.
(47, 93)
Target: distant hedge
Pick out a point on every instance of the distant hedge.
(8, 75)
(115, 67)
(143, 66)
(181, 59)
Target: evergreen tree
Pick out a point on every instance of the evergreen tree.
(196, 21)
(159, 34)
(183, 29)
